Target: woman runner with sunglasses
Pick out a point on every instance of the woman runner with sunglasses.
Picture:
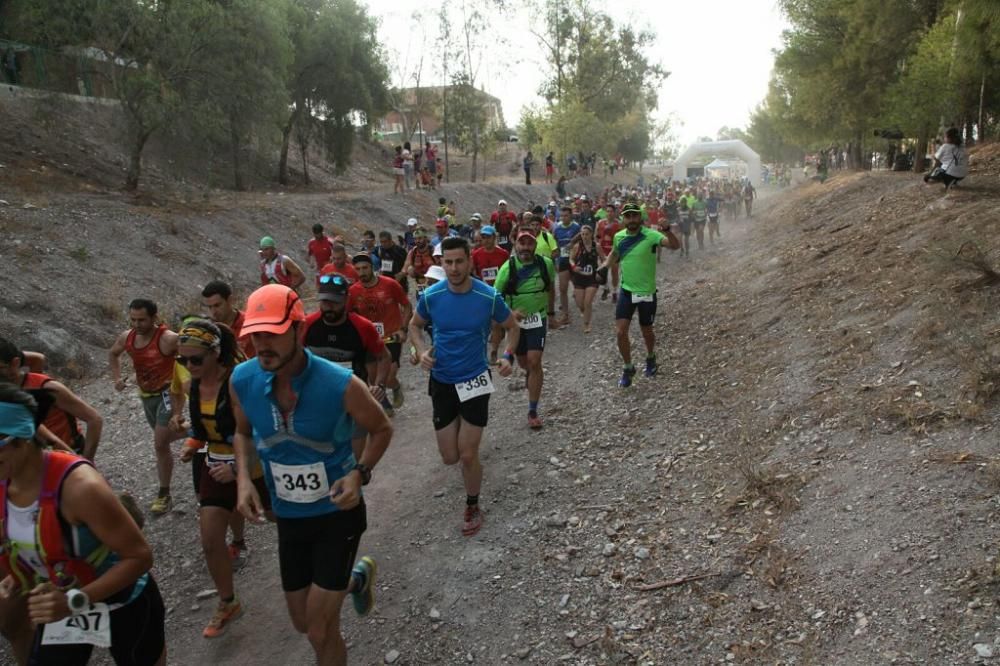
(209, 352)
(76, 564)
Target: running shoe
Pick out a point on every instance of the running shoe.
(534, 422)
(161, 505)
(604, 295)
(651, 366)
(363, 596)
(224, 614)
(614, 297)
(387, 406)
(397, 396)
(473, 520)
(239, 554)
(626, 379)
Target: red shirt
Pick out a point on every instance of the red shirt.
(380, 303)
(655, 216)
(487, 262)
(245, 344)
(503, 224)
(606, 234)
(320, 250)
(347, 270)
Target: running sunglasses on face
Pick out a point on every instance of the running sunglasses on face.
(196, 361)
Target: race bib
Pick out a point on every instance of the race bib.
(380, 328)
(531, 321)
(504, 239)
(642, 298)
(166, 400)
(586, 270)
(490, 274)
(347, 365)
(564, 251)
(475, 387)
(92, 627)
(302, 484)
(387, 265)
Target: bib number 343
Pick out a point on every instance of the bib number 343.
(302, 484)
(474, 387)
(92, 627)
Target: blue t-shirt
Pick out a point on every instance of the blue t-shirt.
(564, 234)
(712, 205)
(462, 325)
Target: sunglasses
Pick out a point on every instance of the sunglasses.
(196, 361)
(333, 279)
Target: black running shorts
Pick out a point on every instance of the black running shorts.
(447, 407)
(320, 550)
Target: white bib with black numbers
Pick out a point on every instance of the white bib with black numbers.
(302, 484)
(92, 627)
(475, 387)
(531, 321)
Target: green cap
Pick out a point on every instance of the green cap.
(266, 241)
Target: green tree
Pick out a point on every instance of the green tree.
(153, 51)
(337, 73)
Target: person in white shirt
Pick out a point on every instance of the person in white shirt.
(951, 162)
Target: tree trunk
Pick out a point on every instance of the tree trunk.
(139, 138)
(234, 139)
(304, 148)
(918, 159)
(475, 162)
(286, 134)
(982, 93)
(855, 153)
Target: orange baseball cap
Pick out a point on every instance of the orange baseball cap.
(272, 309)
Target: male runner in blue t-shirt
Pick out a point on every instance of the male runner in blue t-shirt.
(462, 310)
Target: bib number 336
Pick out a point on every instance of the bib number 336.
(303, 484)
(474, 387)
(92, 627)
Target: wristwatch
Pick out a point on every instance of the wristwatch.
(366, 473)
(78, 601)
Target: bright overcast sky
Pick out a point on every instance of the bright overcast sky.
(718, 53)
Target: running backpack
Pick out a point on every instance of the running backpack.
(513, 278)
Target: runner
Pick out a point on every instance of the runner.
(526, 282)
(699, 216)
(298, 411)
(340, 264)
(318, 250)
(486, 263)
(210, 353)
(442, 231)
(152, 347)
(585, 258)
(368, 247)
(684, 224)
(419, 259)
(392, 259)
(635, 249)
(217, 298)
(606, 230)
(587, 217)
(749, 194)
(276, 268)
(565, 232)
(712, 208)
(350, 341)
(63, 417)
(504, 222)
(462, 311)
(382, 301)
(550, 168)
(407, 239)
(76, 563)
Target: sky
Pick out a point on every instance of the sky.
(719, 54)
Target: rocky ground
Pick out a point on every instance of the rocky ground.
(811, 479)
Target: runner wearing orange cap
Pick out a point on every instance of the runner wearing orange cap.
(299, 411)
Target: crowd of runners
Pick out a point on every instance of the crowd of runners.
(284, 413)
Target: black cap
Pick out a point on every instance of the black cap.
(631, 208)
(361, 258)
(333, 288)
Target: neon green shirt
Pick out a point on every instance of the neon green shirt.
(545, 244)
(531, 296)
(637, 257)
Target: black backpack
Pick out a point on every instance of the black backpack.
(510, 289)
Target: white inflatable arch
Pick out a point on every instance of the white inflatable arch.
(734, 147)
